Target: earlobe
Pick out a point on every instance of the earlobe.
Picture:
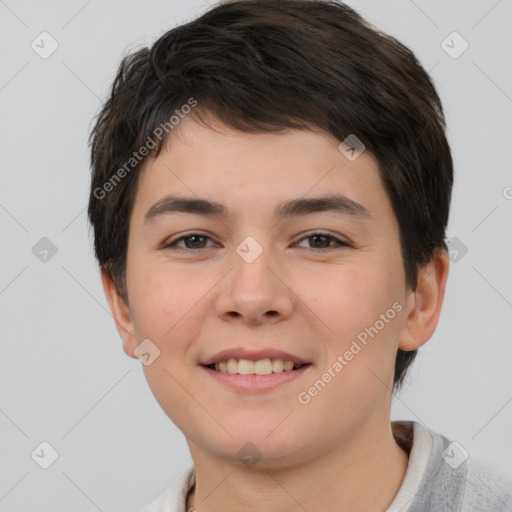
(121, 313)
(424, 304)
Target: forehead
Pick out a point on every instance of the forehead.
(247, 171)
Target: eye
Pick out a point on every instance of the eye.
(322, 241)
(197, 241)
(192, 241)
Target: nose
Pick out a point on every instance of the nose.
(255, 293)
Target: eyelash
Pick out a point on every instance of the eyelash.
(339, 243)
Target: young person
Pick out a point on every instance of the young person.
(270, 192)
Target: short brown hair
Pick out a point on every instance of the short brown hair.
(262, 65)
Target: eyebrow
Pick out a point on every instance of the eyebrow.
(294, 207)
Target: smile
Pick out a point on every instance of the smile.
(259, 367)
(251, 381)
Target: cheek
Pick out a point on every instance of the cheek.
(358, 312)
(162, 302)
(347, 299)
(165, 307)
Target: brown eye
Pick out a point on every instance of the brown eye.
(192, 241)
(323, 241)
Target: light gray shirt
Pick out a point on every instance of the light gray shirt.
(440, 477)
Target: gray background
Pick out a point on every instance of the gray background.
(64, 376)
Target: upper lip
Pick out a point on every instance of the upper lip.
(252, 355)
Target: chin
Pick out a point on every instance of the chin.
(249, 445)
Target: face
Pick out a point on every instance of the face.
(325, 284)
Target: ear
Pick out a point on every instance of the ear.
(121, 314)
(424, 303)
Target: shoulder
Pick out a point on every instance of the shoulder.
(173, 498)
(454, 481)
(486, 489)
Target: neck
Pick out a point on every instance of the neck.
(363, 474)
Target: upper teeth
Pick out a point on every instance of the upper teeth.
(248, 367)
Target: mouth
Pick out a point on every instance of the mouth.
(261, 376)
(260, 367)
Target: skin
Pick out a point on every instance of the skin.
(338, 451)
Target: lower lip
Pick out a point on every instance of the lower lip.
(256, 383)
